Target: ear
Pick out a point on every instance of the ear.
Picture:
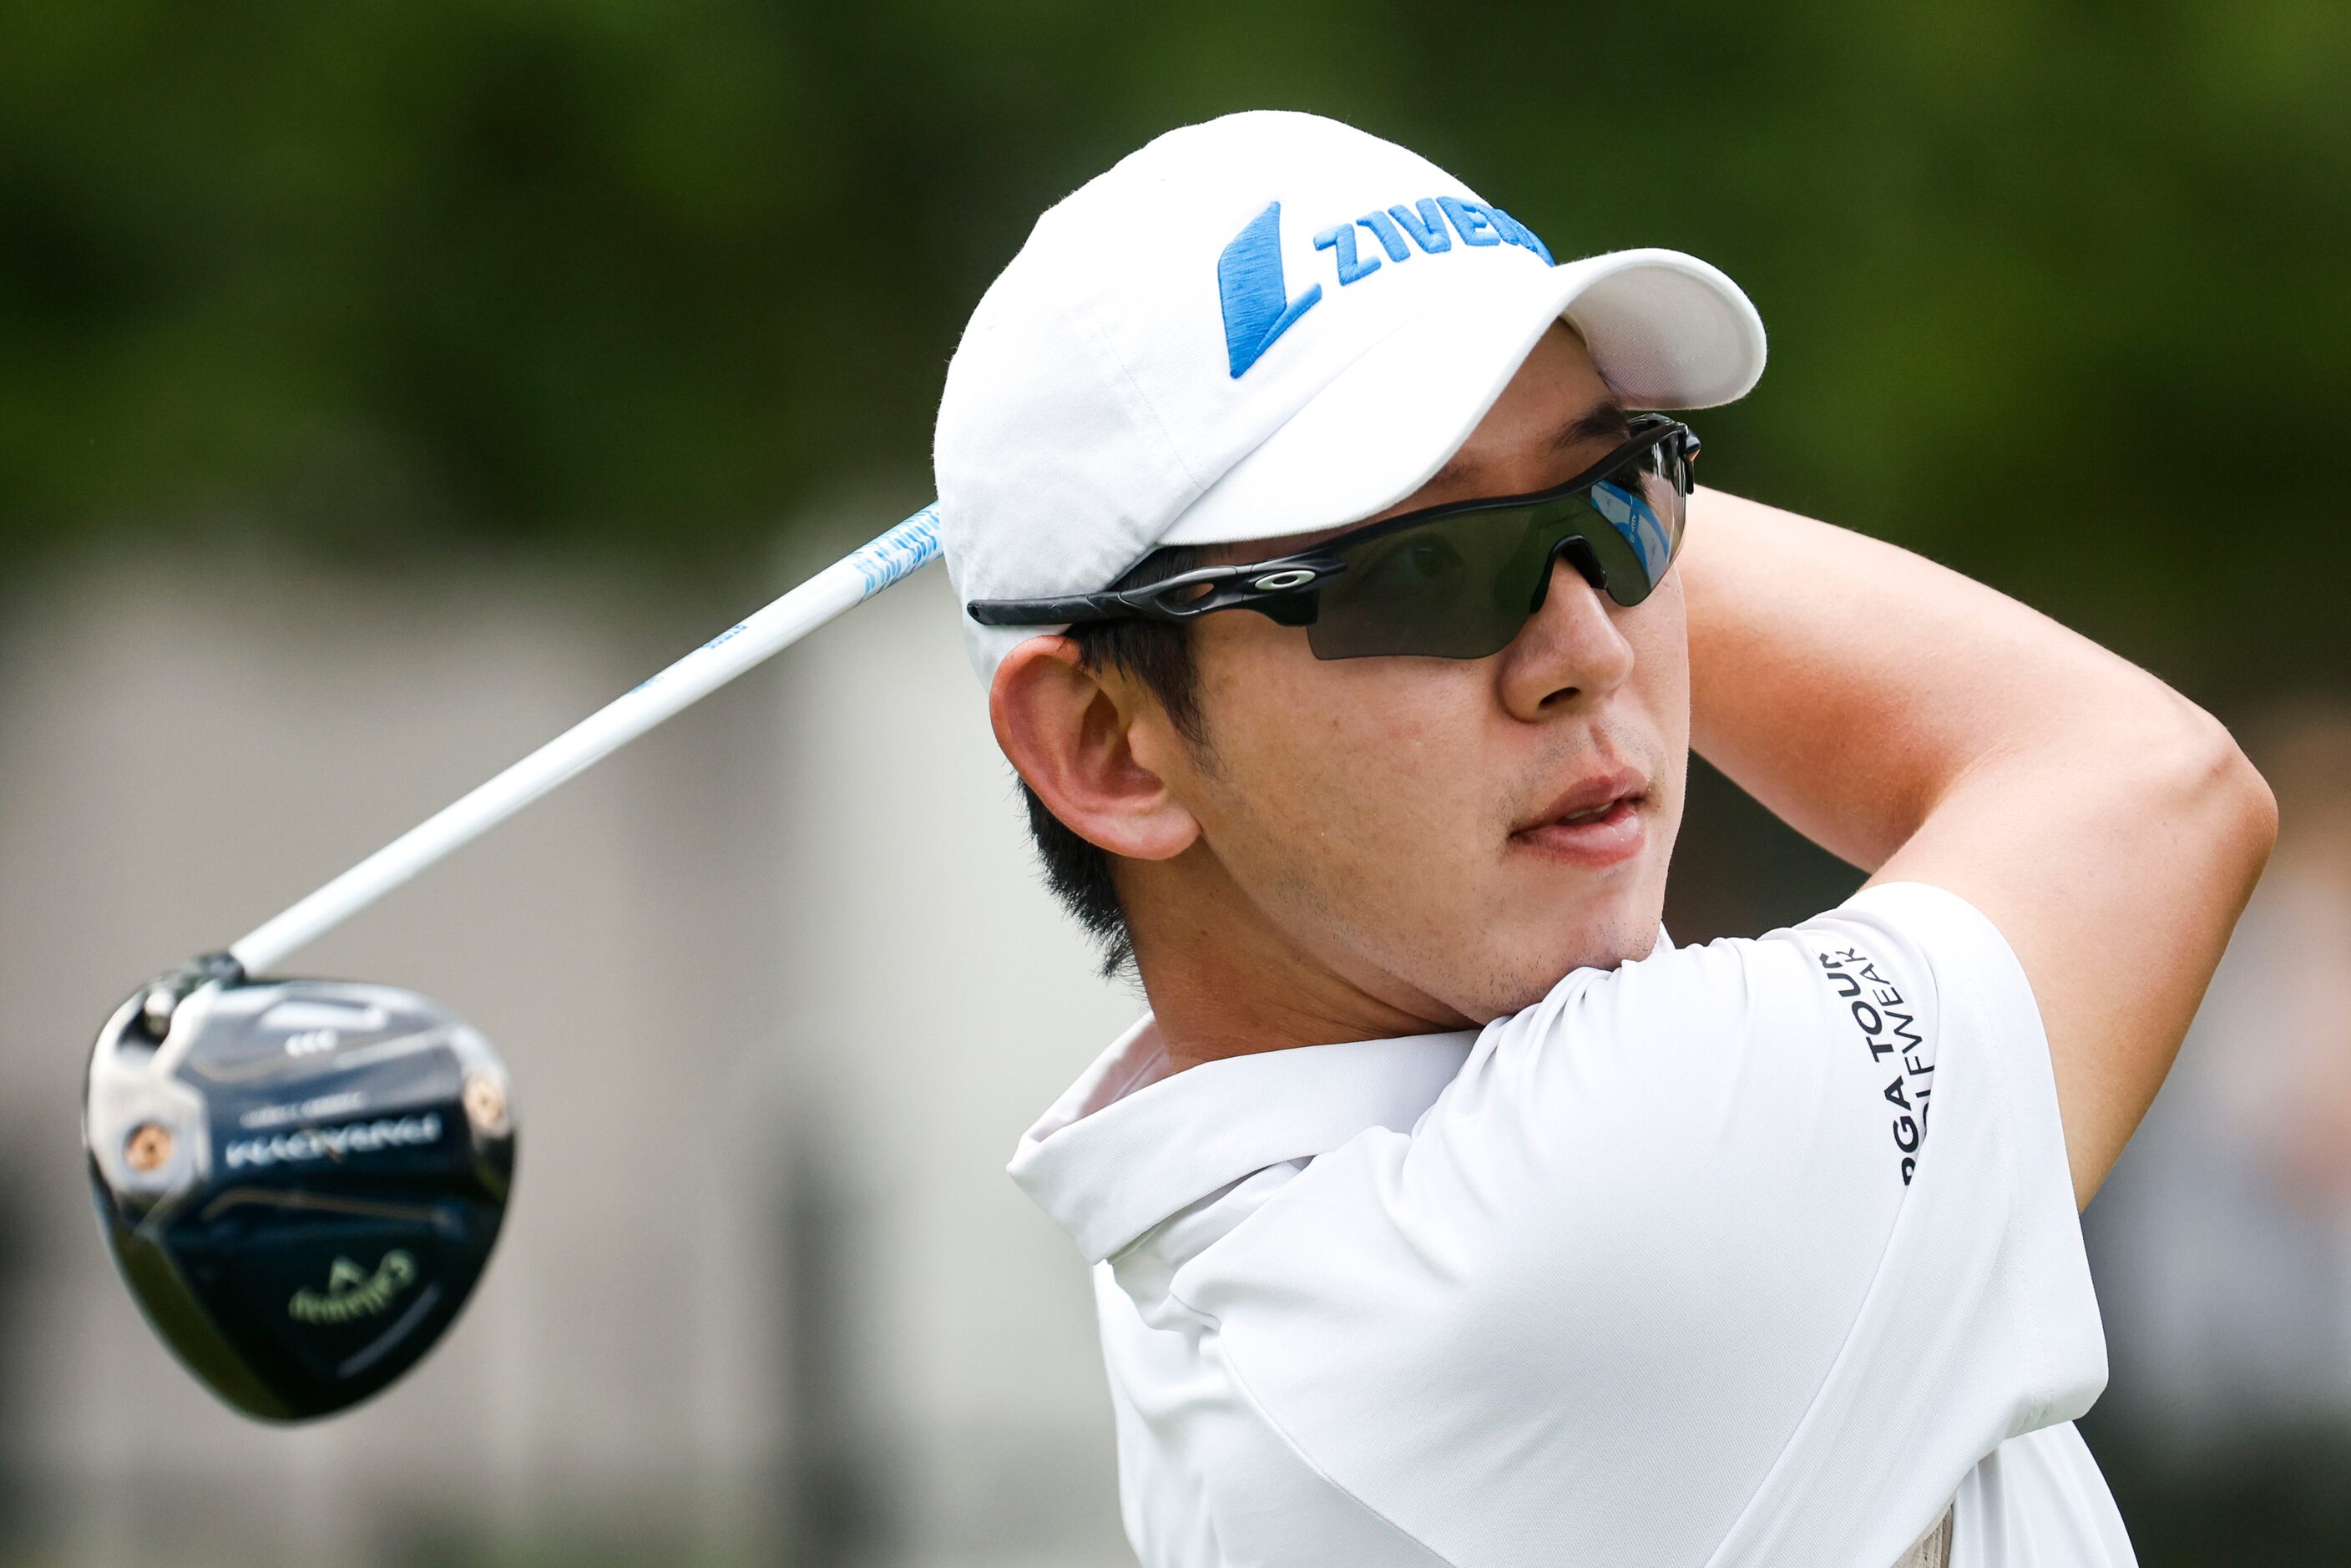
(1072, 733)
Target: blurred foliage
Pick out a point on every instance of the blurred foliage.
(645, 279)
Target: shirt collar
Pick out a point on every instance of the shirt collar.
(1131, 1143)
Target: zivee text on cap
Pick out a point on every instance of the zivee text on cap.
(1256, 298)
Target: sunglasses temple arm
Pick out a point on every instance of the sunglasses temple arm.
(1042, 612)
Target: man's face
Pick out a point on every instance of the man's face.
(1454, 836)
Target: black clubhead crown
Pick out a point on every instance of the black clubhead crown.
(301, 1179)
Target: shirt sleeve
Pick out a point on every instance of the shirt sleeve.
(1745, 1253)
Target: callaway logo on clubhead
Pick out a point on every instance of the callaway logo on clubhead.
(1255, 295)
(300, 1222)
(353, 1293)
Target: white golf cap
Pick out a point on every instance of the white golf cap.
(1265, 325)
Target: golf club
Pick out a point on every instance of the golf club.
(301, 1180)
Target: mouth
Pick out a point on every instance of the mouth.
(1599, 821)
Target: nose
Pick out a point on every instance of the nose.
(1570, 651)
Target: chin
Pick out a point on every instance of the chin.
(1589, 944)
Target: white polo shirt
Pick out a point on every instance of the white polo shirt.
(1665, 1269)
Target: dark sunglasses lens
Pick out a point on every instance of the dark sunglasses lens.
(1455, 588)
(1460, 587)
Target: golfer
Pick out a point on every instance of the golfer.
(1349, 614)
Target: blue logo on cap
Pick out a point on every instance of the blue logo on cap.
(1258, 306)
(1256, 296)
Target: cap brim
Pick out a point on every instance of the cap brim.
(1666, 330)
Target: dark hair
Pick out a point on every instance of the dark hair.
(1158, 654)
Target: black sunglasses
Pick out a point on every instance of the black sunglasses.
(1456, 581)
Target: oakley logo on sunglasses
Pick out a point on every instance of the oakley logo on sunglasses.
(1255, 295)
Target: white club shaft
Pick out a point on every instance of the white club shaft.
(841, 586)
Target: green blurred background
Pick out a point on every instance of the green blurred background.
(2053, 288)
(2055, 291)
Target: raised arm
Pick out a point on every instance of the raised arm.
(1928, 730)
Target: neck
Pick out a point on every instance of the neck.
(1224, 979)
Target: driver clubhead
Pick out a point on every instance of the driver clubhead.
(301, 1180)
